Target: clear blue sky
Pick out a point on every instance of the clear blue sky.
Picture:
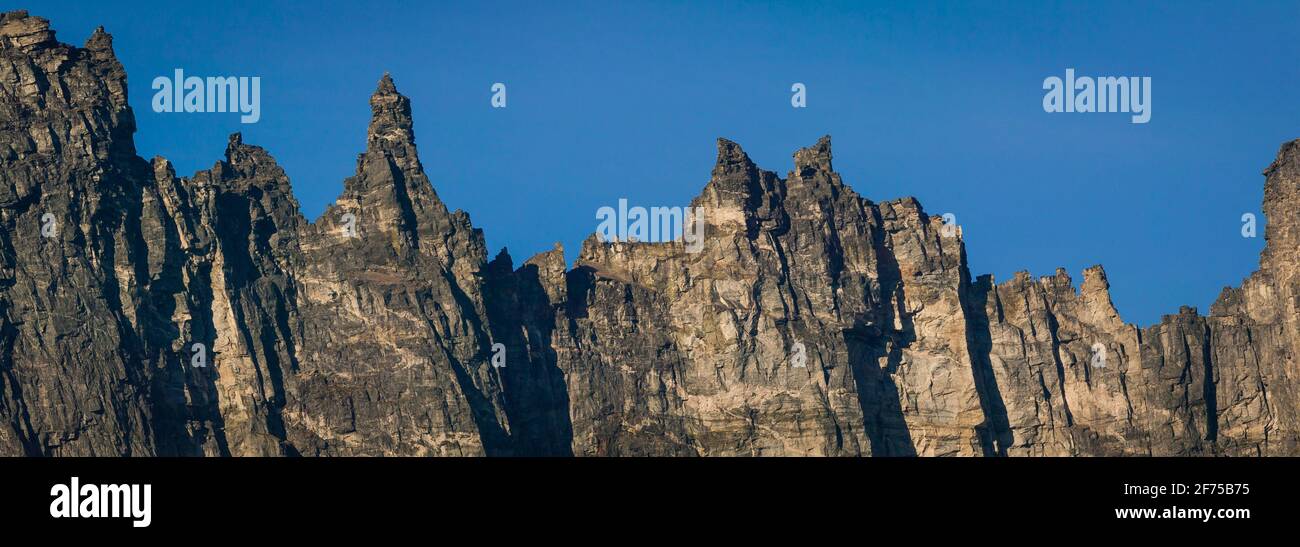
(624, 99)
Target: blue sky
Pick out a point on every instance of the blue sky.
(609, 100)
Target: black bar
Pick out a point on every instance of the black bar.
(407, 494)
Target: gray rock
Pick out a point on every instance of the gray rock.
(812, 321)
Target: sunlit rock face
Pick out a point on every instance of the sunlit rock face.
(147, 313)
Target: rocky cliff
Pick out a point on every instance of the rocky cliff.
(142, 313)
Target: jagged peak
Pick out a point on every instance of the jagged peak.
(100, 40)
(1095, 291)
(23, 31)
(1287, 161)
(549, 259)
(386, 85)
(1185, 313)
(20, 16)
(238, 153)
(1281, 200)
(1094, 278)
(389, 176)
(163, 170)
(1060, 279)
(502, 264)
(732, 160)
(246, 161)
(390, 119)
(730, 153)
(1020, 277)
(816, 157)
(735, 179)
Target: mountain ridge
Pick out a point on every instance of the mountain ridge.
(371, 330)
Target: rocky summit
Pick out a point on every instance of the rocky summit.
(147, 314)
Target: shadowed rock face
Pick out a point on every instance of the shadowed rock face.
(371, 330)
